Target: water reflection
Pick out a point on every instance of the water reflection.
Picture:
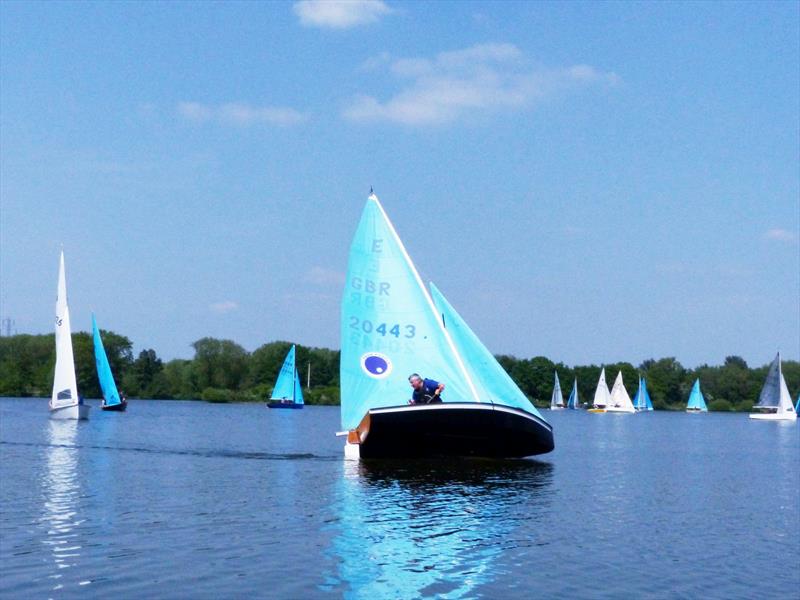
(61, 495)
(408, 530)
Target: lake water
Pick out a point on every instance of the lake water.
(187, 499)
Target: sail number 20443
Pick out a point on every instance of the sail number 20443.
(384, 329)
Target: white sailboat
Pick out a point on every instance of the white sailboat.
(65, 403)
(602, 397)
(774, 402)
(557, 399)
(620, 400)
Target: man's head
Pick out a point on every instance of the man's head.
(415, 381)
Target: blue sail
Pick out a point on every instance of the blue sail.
(797, 406)
(110, 393)
(573, 401)
(288, 385)
(647, 401)
(389, 326)
(490, 378)
(696, 400)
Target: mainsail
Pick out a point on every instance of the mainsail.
(696, 399)
(775, 394)
(287, 387)
(489, 378)
(573, 401)
(390, 327)
(602, 397)
(557, 399)
(620, 400)
(65, 387)
(110, 393)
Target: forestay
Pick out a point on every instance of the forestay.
(389, 326)
(65, 388)
(287, 387)
(107, 384)
(490, 379)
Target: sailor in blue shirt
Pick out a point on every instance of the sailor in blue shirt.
(426, 391)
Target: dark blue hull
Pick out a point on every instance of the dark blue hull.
(453, 429)
(279, 404)
(115, 407)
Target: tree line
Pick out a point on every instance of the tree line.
(223, 371)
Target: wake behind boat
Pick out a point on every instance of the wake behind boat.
(111, 398)
(392, 326)
(65, 403)
(287, 392)
(774, 402)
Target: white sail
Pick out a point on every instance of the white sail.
(602, 397)
(557, 399)
(65, 387)
(620, 400)
(774, 401)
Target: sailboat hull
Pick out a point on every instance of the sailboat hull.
(279, 404)
(786, 416)
(452, 429)
(121, 407)
(74, 412)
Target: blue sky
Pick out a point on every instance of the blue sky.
(590, 182)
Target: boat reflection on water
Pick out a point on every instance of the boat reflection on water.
(61, 491)
(430, 528)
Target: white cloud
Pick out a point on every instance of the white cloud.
(241, 114)
(340, 14)
(322, 276)
(447, 87)
(780, 235)
(223, 307)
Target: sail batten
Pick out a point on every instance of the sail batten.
(107, 384)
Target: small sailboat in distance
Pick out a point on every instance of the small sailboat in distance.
(573, 402)
(111, 397)
(65, 403)
(287, 392)
(641, 401)
(602, 397)
(620, 400)
(697, 403)
(774, 402)
(557, 399)
(393, 327)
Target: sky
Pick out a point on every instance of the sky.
(592, 182)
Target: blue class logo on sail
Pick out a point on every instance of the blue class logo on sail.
(376, 365)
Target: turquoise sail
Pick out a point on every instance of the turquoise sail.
(641, 401)
(389, 326)
(288, 385)
(797, 406)
(573, 401)
(696, 400)
(648, 402)
(110, 393)
(490, 378)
